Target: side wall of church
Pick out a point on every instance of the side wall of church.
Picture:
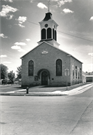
(76, 71)
(44, 57)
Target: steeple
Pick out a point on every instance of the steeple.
(49, 30)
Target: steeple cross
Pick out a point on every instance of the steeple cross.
(48, 5)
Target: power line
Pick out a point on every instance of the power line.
(33, 22)
(66, 33)
(76, 36)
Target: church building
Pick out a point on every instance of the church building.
(46, 64)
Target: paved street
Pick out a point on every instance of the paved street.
(47, 115)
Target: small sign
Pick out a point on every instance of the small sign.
(36, 78)
(44, 52)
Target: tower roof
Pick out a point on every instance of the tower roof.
(48, 16)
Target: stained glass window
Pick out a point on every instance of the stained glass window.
(30, 68)
(59, 67)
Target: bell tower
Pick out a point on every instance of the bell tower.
(49, 30)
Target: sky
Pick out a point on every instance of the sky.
(20, 29)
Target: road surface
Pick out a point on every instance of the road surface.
(47, 115)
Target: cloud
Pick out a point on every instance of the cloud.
(41, 5)
(65, 10)
(6, 62)
(15, 47)
(3, 36)
(21, 50)
(6, 9)
(21, 25)
(54, 0)
(9, 17)
(91, 54)
(20, 43)
(8, 0)
(91, 18)
(21, 20)
(28, 39)
(3, 56)
(61, 2)
(18, 48)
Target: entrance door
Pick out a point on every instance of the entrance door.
(44, 78)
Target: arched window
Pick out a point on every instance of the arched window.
(80, 73)
(76, 71)
(58, 67)
(30, 68)
(43, 34)
(55, 35)
(48, 33)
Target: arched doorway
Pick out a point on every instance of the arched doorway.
(44, 77)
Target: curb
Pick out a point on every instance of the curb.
(43, 93)
(32, 94)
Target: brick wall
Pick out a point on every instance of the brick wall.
(44, 57)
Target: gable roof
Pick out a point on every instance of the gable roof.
(51, 46)
(41, 44)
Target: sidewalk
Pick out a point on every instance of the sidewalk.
(49, 91)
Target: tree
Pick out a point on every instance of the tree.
(19, 70)
(11, 76)
(4, 72)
